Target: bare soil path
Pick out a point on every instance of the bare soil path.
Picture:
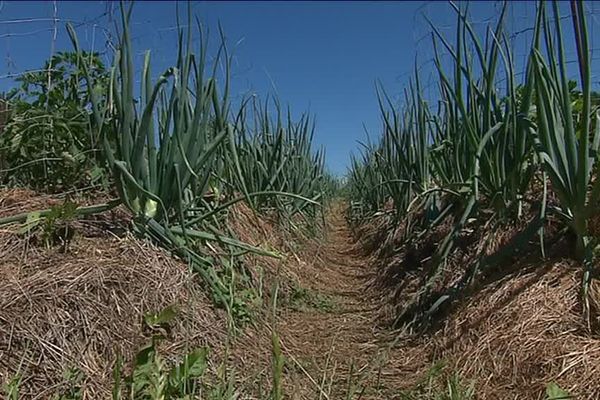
(335, 348)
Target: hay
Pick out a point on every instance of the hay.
(79, 305)
(520, 328)
(522, 333)
(511, 336)
(77, 309)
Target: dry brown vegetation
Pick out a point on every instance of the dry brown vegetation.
(77, 306)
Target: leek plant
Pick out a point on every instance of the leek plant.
(365, 183)
(179, 158)
(404, 149)
(275, 155)
(482, 151)
(567, 141)
(166, 143)
(166, 148)
(478, 155)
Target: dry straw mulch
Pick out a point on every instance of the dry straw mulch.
(514, 332)
(79, 307)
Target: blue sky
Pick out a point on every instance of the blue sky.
(317, 56)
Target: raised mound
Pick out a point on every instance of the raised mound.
(73, 309)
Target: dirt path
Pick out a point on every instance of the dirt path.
(334, 348)
(504, 341)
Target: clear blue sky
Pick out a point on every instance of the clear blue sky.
(321, 56)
